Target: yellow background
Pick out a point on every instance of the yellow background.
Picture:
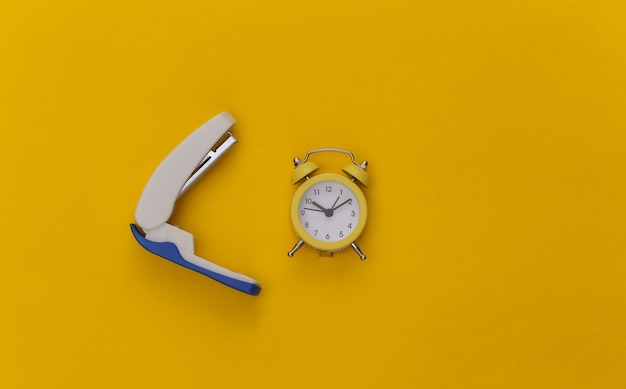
(495, 132)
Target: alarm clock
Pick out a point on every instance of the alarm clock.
(329, 210)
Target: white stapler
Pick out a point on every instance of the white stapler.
(171, 179)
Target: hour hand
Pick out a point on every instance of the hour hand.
(319, 206)
(327, 211)
(321, 209)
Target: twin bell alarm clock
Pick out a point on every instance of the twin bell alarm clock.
(329, 210)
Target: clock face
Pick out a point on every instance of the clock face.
(329, 211)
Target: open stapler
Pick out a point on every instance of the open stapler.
(171, 179)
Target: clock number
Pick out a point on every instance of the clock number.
(353, 213)
(316, 191)
(315, 232)
(327, 236)
(329, 188)
(308, 200)
(350, 225)
(302, 212)
(341, 234)
(340, 191)
(306, 224)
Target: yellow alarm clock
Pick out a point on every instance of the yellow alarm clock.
(328, 210)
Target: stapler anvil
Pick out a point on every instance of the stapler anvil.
(171, 179)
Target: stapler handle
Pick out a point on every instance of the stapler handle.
(156, 203)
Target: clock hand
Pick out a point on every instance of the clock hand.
(347, 201)
(312, 209)
(319, 206)
(328, 212)
(333, 206)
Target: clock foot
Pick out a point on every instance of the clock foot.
(295, 248)
(358, 251)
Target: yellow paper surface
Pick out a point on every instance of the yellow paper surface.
(495, 133)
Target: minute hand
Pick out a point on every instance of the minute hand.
(347, 201)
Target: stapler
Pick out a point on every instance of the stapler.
(171, 179)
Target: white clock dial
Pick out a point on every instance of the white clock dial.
(329, 211)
